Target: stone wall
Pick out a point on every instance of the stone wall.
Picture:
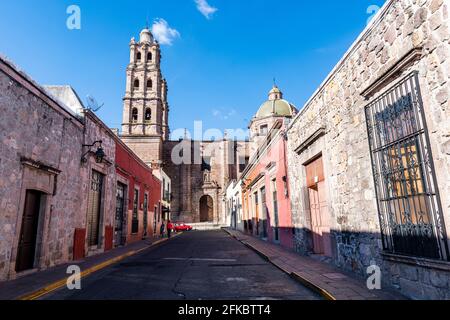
(332, 124)
(47, 136)
(41, 147)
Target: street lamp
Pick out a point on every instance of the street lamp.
(99, 154)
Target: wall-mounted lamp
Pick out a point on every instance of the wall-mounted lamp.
(99, 154)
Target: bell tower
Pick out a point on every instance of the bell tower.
(145, 107)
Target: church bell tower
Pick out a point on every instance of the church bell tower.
(145, 108)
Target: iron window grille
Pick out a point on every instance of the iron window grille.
(409, 206)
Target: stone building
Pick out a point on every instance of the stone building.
(369, 154)
(53, 188)
(145, 109)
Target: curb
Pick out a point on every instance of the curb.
(307, 283)
(61, 283)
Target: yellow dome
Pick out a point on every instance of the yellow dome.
(276, 105)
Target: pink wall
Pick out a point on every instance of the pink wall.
(275, 154)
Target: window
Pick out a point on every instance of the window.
(407, 196)
(149, 56)
(243, 161)
(263, 130)
(149, 83)
(135, 219)
(206, 164)
(134, 115)
(136, 84)
(138, 57)
(148, 115)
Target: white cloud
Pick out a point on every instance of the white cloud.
(224, 114)
(163, 32)
(205, 9)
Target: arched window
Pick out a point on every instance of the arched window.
(149, 56)
(148, 115)
(149, 83)
(134, 115)
(136, 84)
(138, 57)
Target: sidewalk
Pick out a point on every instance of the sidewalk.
(30, 285)
(327, 280)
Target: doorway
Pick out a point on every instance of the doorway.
(26, 250)
(93, 218)
(318, 202)
(145, 222)
(120, 215)
(264, 224)
(206, 209)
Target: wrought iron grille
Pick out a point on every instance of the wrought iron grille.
(409, 206)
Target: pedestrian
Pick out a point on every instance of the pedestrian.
(161, 229)
(169, 228)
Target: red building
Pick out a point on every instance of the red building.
(138, 198)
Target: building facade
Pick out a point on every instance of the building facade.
(368, 154)
(58, 181)
(138, 205)
(53, 191)
(265, 189)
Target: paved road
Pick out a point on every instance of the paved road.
(195, 265)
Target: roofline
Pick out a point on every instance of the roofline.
(367, 30)
(275, 134)
(36, 89)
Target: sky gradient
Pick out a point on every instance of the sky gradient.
(219, 58)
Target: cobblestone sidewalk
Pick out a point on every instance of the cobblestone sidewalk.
(328, 280)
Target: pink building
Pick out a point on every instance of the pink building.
(265, 190)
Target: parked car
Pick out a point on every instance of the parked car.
(181, 226)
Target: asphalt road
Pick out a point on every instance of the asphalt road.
(205, 265)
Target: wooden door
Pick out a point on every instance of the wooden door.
(28, 233)
(94, 205)
(320, 221)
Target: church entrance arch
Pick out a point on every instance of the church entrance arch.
(206, 209)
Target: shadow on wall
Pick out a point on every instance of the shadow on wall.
(418, 277)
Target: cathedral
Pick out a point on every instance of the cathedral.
(200, 180)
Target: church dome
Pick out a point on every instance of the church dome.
(276, 106)
(146, 36)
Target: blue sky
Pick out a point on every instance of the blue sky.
(219, 64)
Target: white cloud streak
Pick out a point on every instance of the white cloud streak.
(224, 114)
(163, 32)
(205, 9)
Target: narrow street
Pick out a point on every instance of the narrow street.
(195, 265)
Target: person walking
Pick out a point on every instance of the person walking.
(161, 229)
(169, 228)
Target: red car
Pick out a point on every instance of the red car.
(181, 226)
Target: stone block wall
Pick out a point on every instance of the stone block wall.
(337, 110)
(41, 149)
(37, 131)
